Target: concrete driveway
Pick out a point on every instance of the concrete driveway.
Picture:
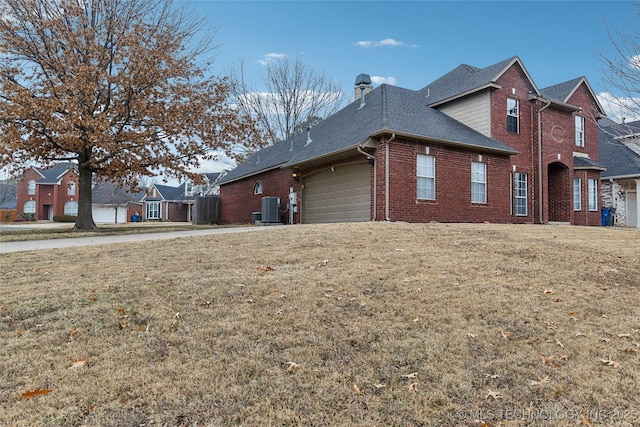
(35, 245)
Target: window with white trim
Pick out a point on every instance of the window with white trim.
(478, 182)
(426, 177)
(153, 210)
(513, 109)
(257, 189)
(71, 188)
(579, 131)
(577, 194)
(31, 187)
(30, 207)
(593, 194)
(520, 187)
(71, 208)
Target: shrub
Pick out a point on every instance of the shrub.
(27, 216)
(64, 218)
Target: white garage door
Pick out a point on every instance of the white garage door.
(338, 194)
(108, 214)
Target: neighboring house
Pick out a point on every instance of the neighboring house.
(209, 187)
(166, 203)
(114, 205)
(620, 152)
(47, 192)
(476, 145)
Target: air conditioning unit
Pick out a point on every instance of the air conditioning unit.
(256, 217)
(270, 209)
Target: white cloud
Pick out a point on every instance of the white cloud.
(383, 43)
(619, 108)
(634, 61)
(378, 80)
(270, 57)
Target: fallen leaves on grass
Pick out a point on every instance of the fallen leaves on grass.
(356, 389)
(34, 393)
(585, 421)
(292, 366)
(494, 394)
(413, 387)
(505, 334)
(264, 270)
(548, 360)
(540, 381)
(78, 363)
(610, 362)
(411, 375)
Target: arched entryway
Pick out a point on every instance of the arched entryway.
(559, 192)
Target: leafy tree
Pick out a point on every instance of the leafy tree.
(115, 85)
(294, 94)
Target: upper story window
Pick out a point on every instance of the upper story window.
(188, 188)
(478, 182)
(579, 131)
(31, 187)
(513, 114)
(426, 177)
(257, 189)
(71, 188)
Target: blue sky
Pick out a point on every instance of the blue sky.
(411, 43)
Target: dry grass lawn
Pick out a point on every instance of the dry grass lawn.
(331, 325)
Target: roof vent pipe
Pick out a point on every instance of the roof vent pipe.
(308, 136)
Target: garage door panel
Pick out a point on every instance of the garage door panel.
(339, 195)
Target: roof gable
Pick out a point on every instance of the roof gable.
(465, 79)
(54, 174)
(564, 91)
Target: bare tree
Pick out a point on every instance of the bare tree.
(114, 85)
(621, 70)
(294, 93)
(7, 191)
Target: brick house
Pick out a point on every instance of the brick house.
(49, 192)
(167, 203)
(620, 152)
(475, 145)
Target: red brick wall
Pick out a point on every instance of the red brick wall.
(453, 185)
(22, 195)
(237, 201)
(177, 212)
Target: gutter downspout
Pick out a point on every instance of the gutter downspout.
(540, 192)
(375, 180)
(386, 177)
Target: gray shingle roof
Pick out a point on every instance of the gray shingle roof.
(561, 91)
(171, 193)
(462, 79)
(586, 163)
(53, 174)
(387, 109)
(108, 193)
(619, 159)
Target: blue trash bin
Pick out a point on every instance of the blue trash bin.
(604, 219)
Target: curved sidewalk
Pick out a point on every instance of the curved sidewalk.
(35, 245)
